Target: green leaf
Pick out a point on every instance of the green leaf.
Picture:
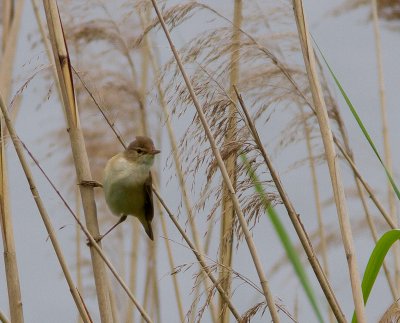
(360, 123)
(375, 263)
(285, 239)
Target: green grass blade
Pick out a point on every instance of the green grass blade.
(375, 263)
(360, 123)
(285, 240)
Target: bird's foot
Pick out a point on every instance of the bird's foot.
(97, 239)
(90, 184)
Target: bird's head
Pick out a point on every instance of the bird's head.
(141, 150)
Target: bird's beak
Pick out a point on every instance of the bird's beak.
(154, 152)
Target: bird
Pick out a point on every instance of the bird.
(127, 184)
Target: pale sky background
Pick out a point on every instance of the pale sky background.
(348, 44)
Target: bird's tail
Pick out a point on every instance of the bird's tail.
(147, 227)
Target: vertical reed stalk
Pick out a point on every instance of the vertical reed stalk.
(9, 253)
(385, 132)
(331, 156)
(113, 302)
(172, 266)
(81, 161)
(45, 217)
(11, 21)
(228, 212)
(317, 201)
(135, 246)
(149, 279)
(12, 12)
(78, 240)
(243, 224)
(47, 46)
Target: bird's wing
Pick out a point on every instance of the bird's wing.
(148, 198)
(148, 207)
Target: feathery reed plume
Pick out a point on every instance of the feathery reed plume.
(392, 314)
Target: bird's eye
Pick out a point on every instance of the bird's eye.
(140, 151)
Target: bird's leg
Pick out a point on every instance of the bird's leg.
(121, 219)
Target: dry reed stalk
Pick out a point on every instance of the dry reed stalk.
(133, 267)
(171, 261)
(78, 240)
(199, 257)
(46, 220)
(9, 253)
(148, 280)
(228, 211)
(81, 161)
(331, 156)
(151, 280)
(156, 306)
(12, 14)
(243, 224)
(317, 201)
(178, 167)
(385, 133)
(206, 247)
(293, 215)
(11, 19)
(7, 16)
(47, 46)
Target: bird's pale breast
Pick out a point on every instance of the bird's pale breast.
(124, 186)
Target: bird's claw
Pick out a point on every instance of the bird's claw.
(90, 184)
(97, 239)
